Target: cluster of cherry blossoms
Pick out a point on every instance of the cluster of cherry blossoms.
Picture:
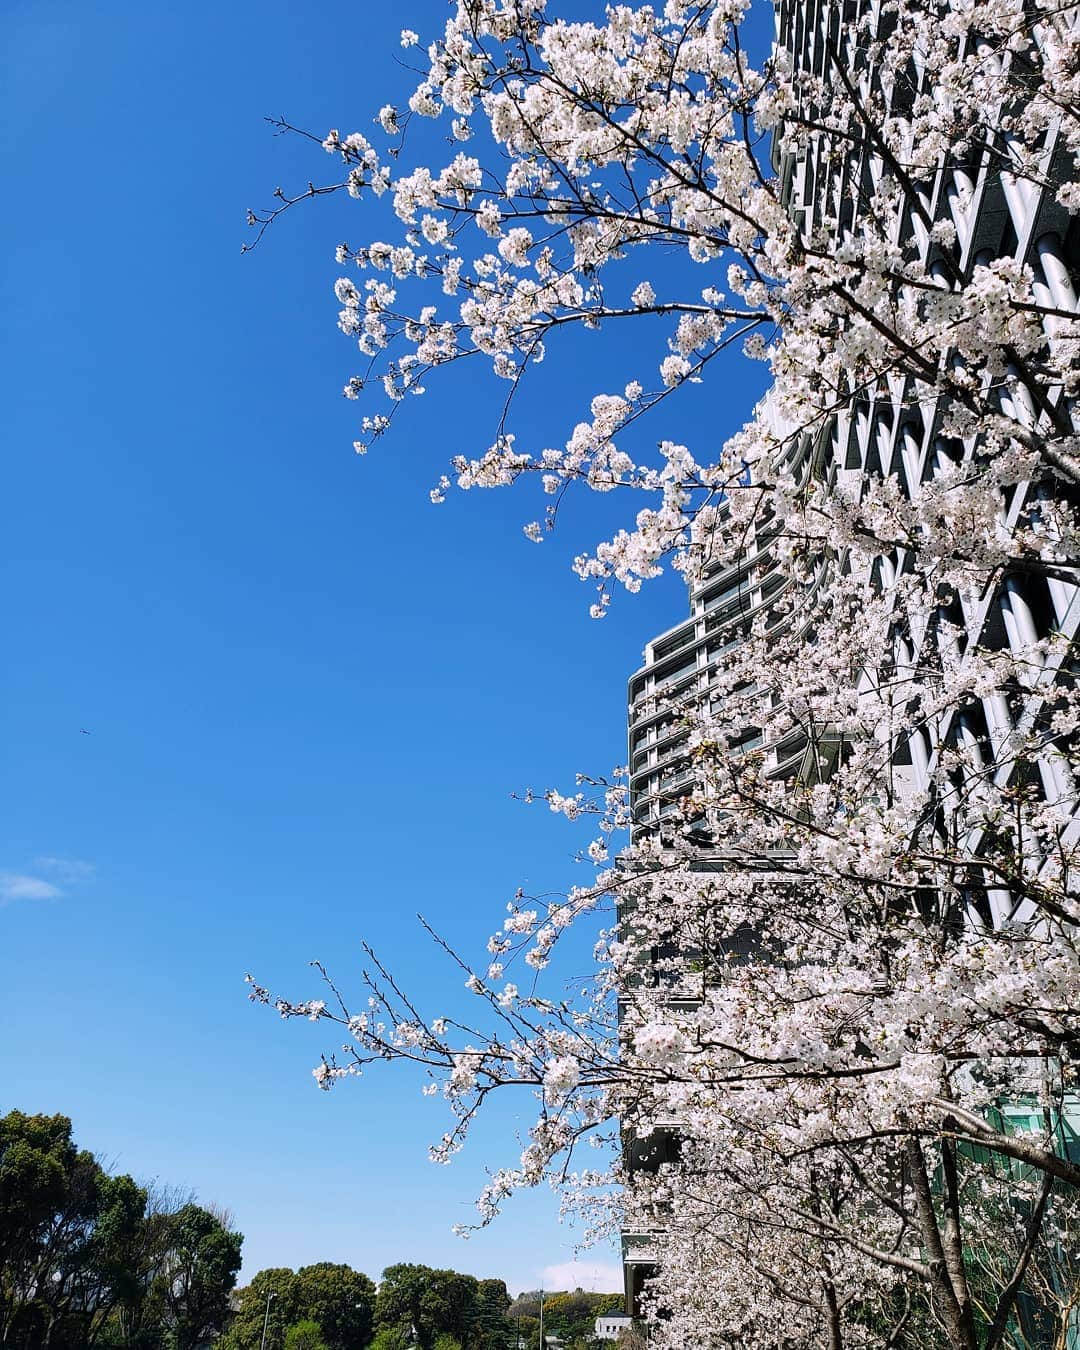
(841, 958)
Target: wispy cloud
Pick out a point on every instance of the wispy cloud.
(65, 870)
(597, 1277)
(19, 886)
(45, 879)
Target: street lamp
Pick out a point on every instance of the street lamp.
(266, 1318)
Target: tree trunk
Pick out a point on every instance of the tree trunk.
(960, 1331)
(952, 1238)
(836, 1338)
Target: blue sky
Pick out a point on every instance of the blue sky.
(309, 693)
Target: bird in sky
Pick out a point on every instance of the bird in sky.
(83, 731)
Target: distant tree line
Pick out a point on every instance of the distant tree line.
(413, 1305)
(94, 1261)
(332, 1307)
(89, 1259)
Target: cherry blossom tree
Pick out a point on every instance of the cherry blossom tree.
(840, 964)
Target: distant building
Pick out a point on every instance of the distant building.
(609, 1325)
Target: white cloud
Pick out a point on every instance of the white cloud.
(18, 886)
(31, 885)
(65, 869)
(595, 1277)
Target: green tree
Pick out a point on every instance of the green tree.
(101, 1268)
(88, 1259)
(137, 1321)
(524, 1331)
(65, 1254)
(38, 1165)
(491, 1329)
(388, 1338)
(432, 1301)
(69, 1236)
(305, 1335)
(277, 1284)
(340, 1299)
(201, 1272)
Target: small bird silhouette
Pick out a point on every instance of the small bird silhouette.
(83, 731)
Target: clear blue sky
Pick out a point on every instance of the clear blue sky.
(309, 692)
